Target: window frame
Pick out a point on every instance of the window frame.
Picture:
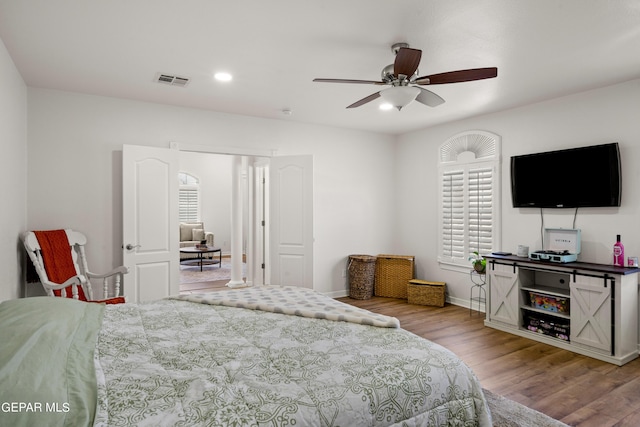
(462, 154)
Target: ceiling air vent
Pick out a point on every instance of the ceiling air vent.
(168, 79)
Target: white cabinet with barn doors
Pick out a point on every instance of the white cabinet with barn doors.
(591, 309)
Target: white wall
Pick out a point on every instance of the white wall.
(599, 116)
(214, 173)
(373, 193)
(75, 144)
(13, 175)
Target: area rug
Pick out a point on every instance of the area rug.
(508, 413)
(209, 273)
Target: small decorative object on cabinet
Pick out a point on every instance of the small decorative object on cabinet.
(393, 273)
(590, 309)
(618, 252)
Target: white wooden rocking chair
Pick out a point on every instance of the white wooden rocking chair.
(55, 255)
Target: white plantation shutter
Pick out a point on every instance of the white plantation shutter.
(469, 197)
(188, 198)
(188, 204)
(453, 221)
(480, 208)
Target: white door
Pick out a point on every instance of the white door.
(150, 222)
(291, 221)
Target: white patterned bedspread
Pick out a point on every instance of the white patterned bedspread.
(177, 363)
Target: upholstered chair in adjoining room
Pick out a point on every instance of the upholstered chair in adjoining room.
(191, 234)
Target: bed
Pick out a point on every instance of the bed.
(263, 356)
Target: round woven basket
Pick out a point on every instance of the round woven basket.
(362, 270)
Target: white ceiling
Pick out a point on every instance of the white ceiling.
(274, 48)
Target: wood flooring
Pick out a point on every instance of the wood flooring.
(575, 389)
(196, 287)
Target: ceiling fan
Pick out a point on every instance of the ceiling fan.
(402, 77)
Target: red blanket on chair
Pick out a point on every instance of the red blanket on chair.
(58, 263)
(56, 255)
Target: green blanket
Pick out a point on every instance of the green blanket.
(47, 373)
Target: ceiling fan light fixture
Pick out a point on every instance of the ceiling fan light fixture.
(385, 106)
(400, 96)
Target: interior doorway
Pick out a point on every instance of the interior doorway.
(150, 195)
(211, 189)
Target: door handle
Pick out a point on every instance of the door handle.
(131, 247)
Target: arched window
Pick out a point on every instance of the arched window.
(189, 198)
(469, 199)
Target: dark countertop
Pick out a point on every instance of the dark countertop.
(588, 266)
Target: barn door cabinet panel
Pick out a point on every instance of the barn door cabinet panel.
(503, 295)
(591, 312)
(591, 309)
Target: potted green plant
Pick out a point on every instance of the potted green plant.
(479, 263)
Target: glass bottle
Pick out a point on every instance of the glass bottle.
(618, 253)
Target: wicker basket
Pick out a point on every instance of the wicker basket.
(393, 273)
(422, 292)
(361, 276)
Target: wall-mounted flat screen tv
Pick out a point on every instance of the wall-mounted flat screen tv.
(577, 177)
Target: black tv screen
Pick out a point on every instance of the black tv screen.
(578, 177)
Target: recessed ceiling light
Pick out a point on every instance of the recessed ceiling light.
(386, 106)
(223, 77)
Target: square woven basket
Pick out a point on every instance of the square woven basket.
(423, 292)
(393, 273)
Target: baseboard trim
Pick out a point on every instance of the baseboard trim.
(454, 301)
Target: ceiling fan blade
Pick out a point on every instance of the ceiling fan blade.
(367, 82)
(429, 98)
(458, 76)
(407, 61)
(365, 100)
